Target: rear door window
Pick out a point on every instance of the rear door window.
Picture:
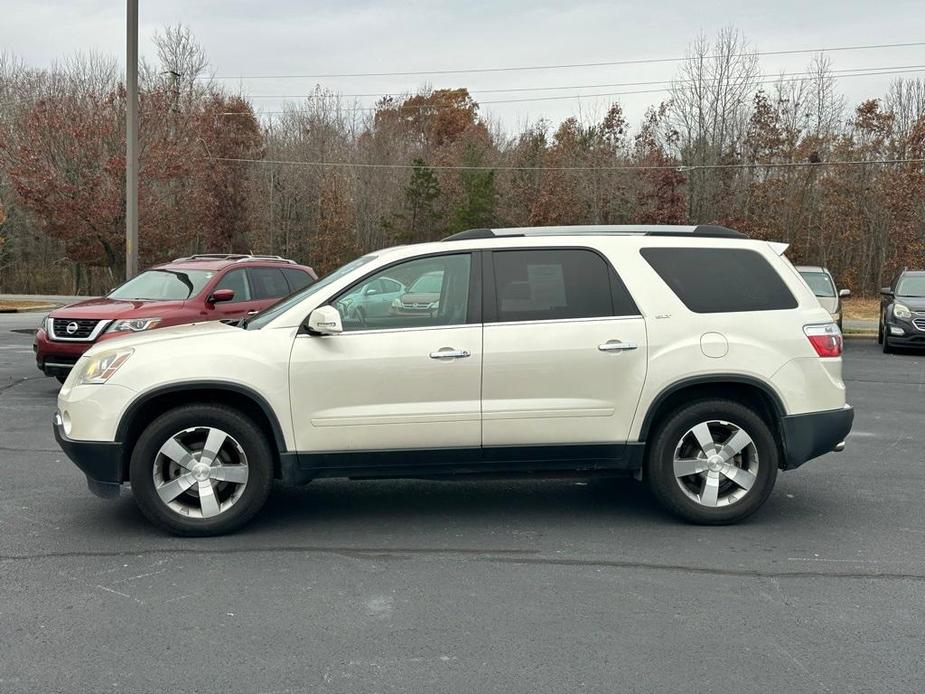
(720, 280)
(557, 284)
(297, 279)
(267, 283)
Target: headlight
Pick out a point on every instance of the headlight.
(47, 324)
(396, 303)
(133, 325)
(902, 312)
(100, 367)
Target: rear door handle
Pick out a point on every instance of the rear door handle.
(449, 353)
(617, 346)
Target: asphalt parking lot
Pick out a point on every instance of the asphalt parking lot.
(472, 587)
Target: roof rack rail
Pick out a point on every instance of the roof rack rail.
(698, 231)
(208, 256)
(271, 258)
(236, 257)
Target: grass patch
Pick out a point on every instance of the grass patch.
(7, 306)
(857, 308)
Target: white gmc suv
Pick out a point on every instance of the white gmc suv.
(691, 357)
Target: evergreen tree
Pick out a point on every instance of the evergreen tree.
(421, 193)
(476, 206)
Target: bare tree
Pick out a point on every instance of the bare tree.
(710, 101)
(825, 106)
(906, 101)
(183, 60)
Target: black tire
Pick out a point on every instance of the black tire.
(880, 333)
(887, 347)
(61, 379)
(659, 465)
(247, 434)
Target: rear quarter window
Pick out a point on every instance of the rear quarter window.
(720, 280)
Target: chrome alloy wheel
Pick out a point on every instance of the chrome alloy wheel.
(715, 463)
(200, 472)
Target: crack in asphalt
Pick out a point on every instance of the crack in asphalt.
(5, 388)
(497, 556)
(29, 450)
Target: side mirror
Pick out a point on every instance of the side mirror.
(325, 320)
(886, 291)
(844, 293)
(220, 295)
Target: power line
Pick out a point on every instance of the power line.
(861, 72)
(371, 109)
(521, 68)
(682, 168)
(649, 91)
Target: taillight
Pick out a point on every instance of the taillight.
(826, 339)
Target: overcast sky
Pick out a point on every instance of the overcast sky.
(273, 37)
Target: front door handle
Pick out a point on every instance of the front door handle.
(617, 346)
(449, 353)
(252, 313)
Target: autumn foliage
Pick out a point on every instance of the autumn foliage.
(322, 182)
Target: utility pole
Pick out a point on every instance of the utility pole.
(131, 141)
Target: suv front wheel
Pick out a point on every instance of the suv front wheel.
(712, 462)
(201, 469)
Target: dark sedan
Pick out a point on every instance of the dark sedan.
(902, 311)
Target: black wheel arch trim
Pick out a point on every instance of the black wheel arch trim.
(251, 394)
(711, 379)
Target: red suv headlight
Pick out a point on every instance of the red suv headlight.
(133, 325)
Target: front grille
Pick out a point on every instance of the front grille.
(65, 328)
(919, 323)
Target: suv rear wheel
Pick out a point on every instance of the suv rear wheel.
(712, 462)
(201, 470)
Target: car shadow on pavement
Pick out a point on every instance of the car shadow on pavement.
(488, 505)
(464, 500)
(349, 510)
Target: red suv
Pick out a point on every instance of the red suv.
(187, 290)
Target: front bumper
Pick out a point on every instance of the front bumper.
(100, 461)
(56, 358)
(807, 436)
(911, 336)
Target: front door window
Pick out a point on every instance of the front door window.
(420, 293)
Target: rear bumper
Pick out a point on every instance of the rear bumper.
(100, 461)
(807, 436)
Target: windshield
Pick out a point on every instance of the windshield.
(911, 285)
(163, 285)
(820, 283)
(427, 284)
(280, 307)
